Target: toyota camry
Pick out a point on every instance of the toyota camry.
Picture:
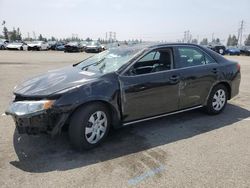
(122, 86)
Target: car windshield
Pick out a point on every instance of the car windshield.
(73, 43)
(109, 60)
(233, 48)
(35, 42)
(93, 43)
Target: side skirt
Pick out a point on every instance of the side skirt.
(159, 116)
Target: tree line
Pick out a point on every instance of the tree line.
(231, 41)
(15, 35)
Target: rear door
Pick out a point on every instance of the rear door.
(198, 73)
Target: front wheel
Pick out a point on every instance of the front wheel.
(217, 100)
(89, 126)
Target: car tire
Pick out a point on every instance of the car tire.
(1, 47)
(89, 125)
(21, 48)
(217, 100)
(221, 51)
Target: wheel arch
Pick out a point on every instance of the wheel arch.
(228, 86)
(224, 83)
(114, 113)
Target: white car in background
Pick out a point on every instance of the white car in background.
(17, 46)
(3, 44)
(38, 45)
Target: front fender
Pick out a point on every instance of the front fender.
(102, 91)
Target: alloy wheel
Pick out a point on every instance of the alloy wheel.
(219, 100)
(96, 128)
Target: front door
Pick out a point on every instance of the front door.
(150, 87)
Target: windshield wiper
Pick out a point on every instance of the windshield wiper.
(81, 61)
(95, 64)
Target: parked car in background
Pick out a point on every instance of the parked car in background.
(94, 46)
(3, 44)
(219, 48)
(73, 47)
(60, 47)
(122, 86)
(245, 50)
(52, 45)
(232, 50)
(112, 45)
(38, 45)
(17, 46)
(84, 44)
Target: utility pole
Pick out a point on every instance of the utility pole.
(110, 36)
(34, 35)
(187, 37)
(240, 32)
(114, 36)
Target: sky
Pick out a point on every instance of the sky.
(150, 20)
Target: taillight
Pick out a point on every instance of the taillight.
(238, 66)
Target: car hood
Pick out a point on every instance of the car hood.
(92, 46)
(55, 81)
(33, 45)
(14, 45)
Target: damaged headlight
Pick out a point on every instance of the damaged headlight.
(27, 107)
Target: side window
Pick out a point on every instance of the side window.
(155, 61)
(189, 57)
(155, 55)
(209, 60)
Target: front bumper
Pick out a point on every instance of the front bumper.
(46, 121)
(72, 49)
(33, 48)
(93, 50)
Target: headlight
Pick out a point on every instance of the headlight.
(28, 107)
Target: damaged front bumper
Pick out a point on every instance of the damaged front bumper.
(45, 121)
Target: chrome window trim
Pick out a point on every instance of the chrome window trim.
(174, 62)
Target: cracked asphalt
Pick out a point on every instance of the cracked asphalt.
(190, 149)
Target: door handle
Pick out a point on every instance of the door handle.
(215, 70)
(174, 78)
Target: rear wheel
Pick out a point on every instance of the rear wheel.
(89, 126)
(217, 100)
(221, 51)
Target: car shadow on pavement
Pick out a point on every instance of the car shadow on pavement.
(41, 153)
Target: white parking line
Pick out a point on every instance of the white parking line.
(147, 174)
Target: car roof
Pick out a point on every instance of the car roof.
(152, 46)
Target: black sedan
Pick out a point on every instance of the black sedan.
(122, 86)
(94, 47)
(220, 49)
(73, 47)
